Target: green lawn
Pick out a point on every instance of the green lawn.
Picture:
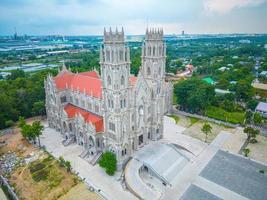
(176, 118)
(221, 114)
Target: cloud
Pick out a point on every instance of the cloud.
(224, 6)
(85, 17)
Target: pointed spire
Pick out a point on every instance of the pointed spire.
(116, 30)
(104, 30)
(110, 31)
(122, 30)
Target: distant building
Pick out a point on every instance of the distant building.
(263, 73)
(262, 109)
(182, 33)
(209, 80)
(222, 69)
(244, 41)
(222, 92)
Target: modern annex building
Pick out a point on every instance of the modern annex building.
(114, 111)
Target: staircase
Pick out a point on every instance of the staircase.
(69, 141)
(96, 158)
(84, 154)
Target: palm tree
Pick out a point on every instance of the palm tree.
(206, 128)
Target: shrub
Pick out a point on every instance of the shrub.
(246, 152)
(108, 162)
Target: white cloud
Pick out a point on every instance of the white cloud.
(224, 6)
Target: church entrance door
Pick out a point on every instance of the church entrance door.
(140, 141)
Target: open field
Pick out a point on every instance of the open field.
(41, 176)
(221, 114)
(193, 128)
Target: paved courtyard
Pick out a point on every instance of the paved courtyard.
(210, 173)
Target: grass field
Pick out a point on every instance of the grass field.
(221, 114)
(175, 117)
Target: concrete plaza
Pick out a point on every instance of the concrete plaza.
(209, 174)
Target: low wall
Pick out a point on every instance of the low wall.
(4, 182)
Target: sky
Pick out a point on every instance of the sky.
(89, 17)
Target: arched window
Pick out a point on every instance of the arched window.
(121, 55)
(154, 51)
(108, 55)
(109, 80)
(122, 80)
(148, 71)
(159, 70)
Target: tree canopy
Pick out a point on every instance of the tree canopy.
(194, 95)
(108, 162)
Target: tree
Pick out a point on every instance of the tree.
(108, 162)
(194, 95)
(251, 104)
(248, 117)
(26, 132)
(257, 118)
(206, 128)
(38, 108)
(37, 129)
(18, 73)
(251, 134)
(246, 152)
(68, 165)
(64, 163)
(9, 123)
(31, 132)
(22, 122)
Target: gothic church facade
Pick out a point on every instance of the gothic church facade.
(114, 111)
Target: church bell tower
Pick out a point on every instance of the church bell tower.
(115, 72)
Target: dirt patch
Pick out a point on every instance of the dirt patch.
(49, 182)
(43, 178)
(78, 192)
(258, 151)
(194, 130)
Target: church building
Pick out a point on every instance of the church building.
(114, 110)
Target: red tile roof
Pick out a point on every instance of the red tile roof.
(96, 120)
(88, 82)
(93, 74)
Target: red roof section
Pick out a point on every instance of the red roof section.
(96, 120)
(93, 74)
(133, 80)
(88, 82)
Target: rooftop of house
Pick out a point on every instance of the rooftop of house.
(262, 106)
(209, 80)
